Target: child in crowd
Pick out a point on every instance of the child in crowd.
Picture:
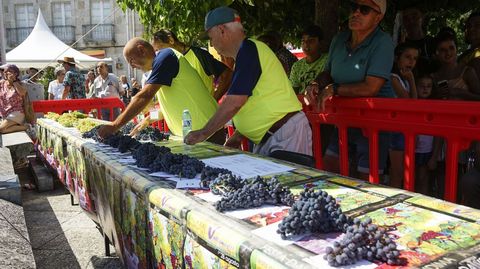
(403, 82)
(424, 145)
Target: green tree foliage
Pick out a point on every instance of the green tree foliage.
(186, 17)
(48, 75)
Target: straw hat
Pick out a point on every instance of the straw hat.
(69, 60)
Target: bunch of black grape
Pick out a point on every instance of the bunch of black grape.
(153, 134)
(177, 164)
(279, 193)
(147, 134)
(93, 134)
(113, 140)
(314, 211)
(209, 174)
(146, 153)
(363, 240)
(127, 128)
(127, 143)
(225, 183)
(254, 193)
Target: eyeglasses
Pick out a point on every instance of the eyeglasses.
(365, 10)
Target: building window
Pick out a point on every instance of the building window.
(62, 13)
(24, 16)
(101, 10)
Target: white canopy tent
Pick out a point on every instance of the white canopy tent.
(42, 48)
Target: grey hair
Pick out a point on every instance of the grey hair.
(234, 26)
(58, 70)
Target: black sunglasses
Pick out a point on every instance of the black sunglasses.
(365, 10)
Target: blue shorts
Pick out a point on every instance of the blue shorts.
(358, 145)
(422, 158)
(397, 142)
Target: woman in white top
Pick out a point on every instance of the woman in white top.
(55, 87)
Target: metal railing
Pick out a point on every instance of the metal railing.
(15, 36)
(101, 33)
(66, 33)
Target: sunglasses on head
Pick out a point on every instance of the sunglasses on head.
(365, 10)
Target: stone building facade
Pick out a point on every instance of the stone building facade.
(100, 26)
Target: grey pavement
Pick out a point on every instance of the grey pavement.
(61, 235)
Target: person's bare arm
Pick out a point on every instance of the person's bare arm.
(367, 88)
(472, 80)
(235, 140)
(475, 64)
(399, 90)
(138, 103)
(224, 81)
(66, 90)
(229, 107)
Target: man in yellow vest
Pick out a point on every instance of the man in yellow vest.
(176, 84)
(260, 100)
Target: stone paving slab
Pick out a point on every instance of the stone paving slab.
(15, 249)
(62, 236)
(9, 184)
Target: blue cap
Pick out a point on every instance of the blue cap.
(218, 16)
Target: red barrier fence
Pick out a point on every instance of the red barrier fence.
(59, 106)
(458, 122)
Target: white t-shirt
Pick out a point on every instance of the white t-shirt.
(56, 88)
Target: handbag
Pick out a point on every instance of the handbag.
(28, 110)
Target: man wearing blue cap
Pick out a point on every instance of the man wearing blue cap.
(260, 100)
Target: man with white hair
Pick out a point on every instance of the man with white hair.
(260, 100)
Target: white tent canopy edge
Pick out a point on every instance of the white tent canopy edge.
(42, 48)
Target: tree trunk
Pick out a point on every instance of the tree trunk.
(327, 18)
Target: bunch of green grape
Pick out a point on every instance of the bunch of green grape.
(52, 116)
(85, 125)
(71, 119)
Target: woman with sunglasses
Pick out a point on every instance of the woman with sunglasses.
(359, 65)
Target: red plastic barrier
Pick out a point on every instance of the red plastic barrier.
(456, 121)
(59, 106)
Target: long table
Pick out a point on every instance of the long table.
(154, 225)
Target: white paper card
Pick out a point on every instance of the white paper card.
(127, 160)
(319, 262)
(269, 233)
(245, 213)
(209, 197)
(247, 166)
(188, 184)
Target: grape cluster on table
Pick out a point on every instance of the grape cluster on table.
(146, 134)
(250, 193)
(363, 240)
(210, 174)
(314, 211)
